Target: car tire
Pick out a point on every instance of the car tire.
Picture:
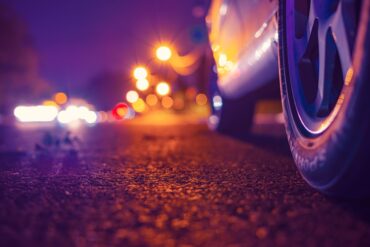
(331, 150)
(236, 117)
(233, 117)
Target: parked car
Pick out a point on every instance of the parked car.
(319, 51)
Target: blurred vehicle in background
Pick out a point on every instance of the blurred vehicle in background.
(319, 47)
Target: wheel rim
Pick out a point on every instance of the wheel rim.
(320, 41)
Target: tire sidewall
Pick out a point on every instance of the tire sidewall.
(325, 161)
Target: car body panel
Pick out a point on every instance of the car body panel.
(243, 36)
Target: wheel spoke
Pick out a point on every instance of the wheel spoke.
(307, 44)
(301, 14)
(343, 39)
(308, 65)
(327, 67)
(305, 15)
(312, 18)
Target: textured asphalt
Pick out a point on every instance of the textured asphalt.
(179, 185)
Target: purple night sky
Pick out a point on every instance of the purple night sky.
(78, 39)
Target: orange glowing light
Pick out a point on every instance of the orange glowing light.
(151, 99)
(164, 53)
(140, 73)
(201, 99)
(142, 84)
(122, 111)
(139, 105)
(60, 98)
(167, 102)
(179, 103)
(163, 88)
(132, 96)
(190, 93)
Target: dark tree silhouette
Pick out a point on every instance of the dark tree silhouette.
(19, 79)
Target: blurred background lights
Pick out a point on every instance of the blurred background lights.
(130, 113)
(86, 114)
(36, 113)
(49, 103)
(83, 111)
(132, 96)
(140, 73)
(217, 102)
(213, 121)
(91, 117)
(167, 102)
(120, 111)
(163, 88)
(139, 106)
(102, 116)
(75, 113)
(60, 98)
(64, 117)
(190, 93)
(163, 53)
(179, 103)
(201, 99)
(142, 84)
(68, 115)
(151, 99)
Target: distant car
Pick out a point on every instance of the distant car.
(320, 49)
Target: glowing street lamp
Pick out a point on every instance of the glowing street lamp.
(163, 88)
(132, 96)
(163, 53)
(140, 73)
(142, 84)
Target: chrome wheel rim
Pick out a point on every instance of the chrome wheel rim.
(320, 38)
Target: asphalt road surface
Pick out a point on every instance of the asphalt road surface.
(174, 185)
